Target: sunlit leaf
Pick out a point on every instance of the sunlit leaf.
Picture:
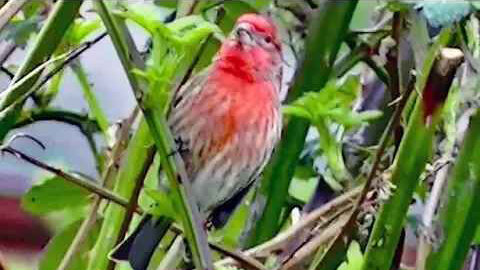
(301, 189)
(354, 258)
(83, 29)
(53, 194)
(163, 205)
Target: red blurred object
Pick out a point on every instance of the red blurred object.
(19, 231)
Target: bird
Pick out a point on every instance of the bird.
(226, 121)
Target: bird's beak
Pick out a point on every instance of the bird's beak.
(244, 34)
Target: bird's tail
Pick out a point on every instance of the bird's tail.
(138, 248)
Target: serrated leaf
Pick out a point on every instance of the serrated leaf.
(163, 205)
(297, 111)
(53, 194)
(59, 244)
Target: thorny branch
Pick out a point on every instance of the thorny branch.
(81, 182)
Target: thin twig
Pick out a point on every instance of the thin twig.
(246, 262)
(79, 120)
(307, 248)
(7, 72)
(276, 244)
(313, 244)
(84, 183)
(7, 51)
(72, 55)
(68, 57)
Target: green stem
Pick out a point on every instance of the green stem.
(138, 157)
(47, 41)
(462, 204)
(172, 165)
(325, 36)
(332, 151)
(414, 152)
(92, 101)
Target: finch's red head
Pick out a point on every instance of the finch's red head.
(253, 50)
(259, 28)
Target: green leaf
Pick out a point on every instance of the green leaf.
(83, 29)
(59, 244)
(460, 216)
(163, 205)
(166, 3)
(354, 258)
(33, 8)
(298, 111)
(302, 189)
(415, 150)
(53, 194)
(397, 6)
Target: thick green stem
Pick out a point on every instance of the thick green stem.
(172, 165)
(47, 41)
(139, 156)
(462, 205)
(414, 152)
(326, 34)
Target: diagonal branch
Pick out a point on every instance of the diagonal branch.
(84, 183)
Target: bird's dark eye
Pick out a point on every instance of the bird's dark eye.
(268, 39)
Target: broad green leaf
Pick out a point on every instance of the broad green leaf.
(302, 189)
(53, 194)
(162, 205)
(354, 258)
(59, 244)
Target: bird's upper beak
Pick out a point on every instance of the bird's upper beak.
(243, 32)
